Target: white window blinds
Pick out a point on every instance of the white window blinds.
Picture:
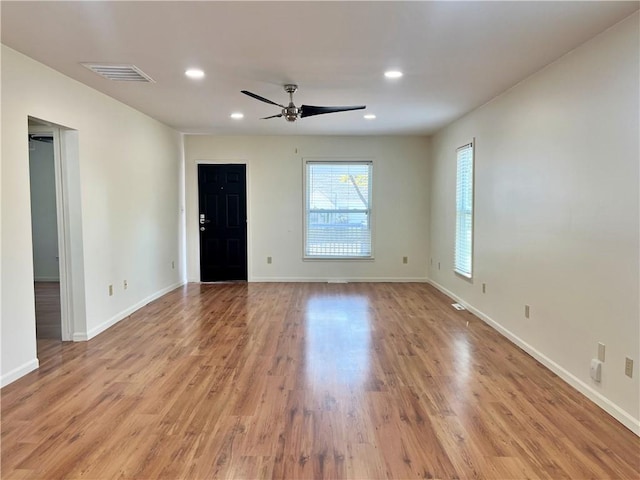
(463, 262)
(338, 209)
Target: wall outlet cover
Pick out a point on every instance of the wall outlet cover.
(601, 349)
(596, 369)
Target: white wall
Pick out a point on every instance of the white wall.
(44, 225)
(275, 203)
(556, 214)
(129, 175)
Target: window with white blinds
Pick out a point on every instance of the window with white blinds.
(463, 262)
(337, 209)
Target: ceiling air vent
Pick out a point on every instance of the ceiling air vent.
(121, 73)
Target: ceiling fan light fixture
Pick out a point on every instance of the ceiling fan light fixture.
(393, 74)
(194, 73)
(369, 116)
(237, 115)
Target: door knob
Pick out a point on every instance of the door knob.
(202, 229)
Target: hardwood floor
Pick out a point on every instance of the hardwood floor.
(47, 296)
(357, 381)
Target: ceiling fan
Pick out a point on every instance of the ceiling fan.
(291, 112)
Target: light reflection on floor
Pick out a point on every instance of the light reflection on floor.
(463, 358)
(337, 340)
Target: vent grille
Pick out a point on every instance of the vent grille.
(120, 73)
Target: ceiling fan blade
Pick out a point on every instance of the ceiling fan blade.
(262, 99)
(272, 116)
(310, 110)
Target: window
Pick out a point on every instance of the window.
(464, 212)
(337, 209)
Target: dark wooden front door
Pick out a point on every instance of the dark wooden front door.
(222, 221)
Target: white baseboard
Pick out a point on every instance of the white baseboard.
(81, 337)
(18, 372)
(596, 397)
(253, 279)
(46, 279)
(339, 280)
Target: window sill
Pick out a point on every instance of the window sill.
(340, 259)
(464, 276)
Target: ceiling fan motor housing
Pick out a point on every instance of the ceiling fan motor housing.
(291, 112)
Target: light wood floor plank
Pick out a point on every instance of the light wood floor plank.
(338, 381)
(47, 303)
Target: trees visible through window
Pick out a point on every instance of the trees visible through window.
(338, 209)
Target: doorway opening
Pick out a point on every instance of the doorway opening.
(56, 223)
(222, 221)
(44, 230)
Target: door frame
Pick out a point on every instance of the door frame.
(197, 273)
(69, 220)
(64, 253)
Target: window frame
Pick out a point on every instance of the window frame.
(305, 207)
(457, 263)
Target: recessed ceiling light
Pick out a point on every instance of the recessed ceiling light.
(369, 116)
(393, 74)
(237, 115)
(194, 73)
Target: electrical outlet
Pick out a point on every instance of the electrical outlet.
(110, 290)
(438, 265)
(125, 284)
(596, 370)
(601, 351)
(405, 259)
(526, 311)
(173, 265)
(628, 367)
(269, 260)
(431, 261)
(484, 288)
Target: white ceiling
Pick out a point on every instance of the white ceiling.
(455, 56)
